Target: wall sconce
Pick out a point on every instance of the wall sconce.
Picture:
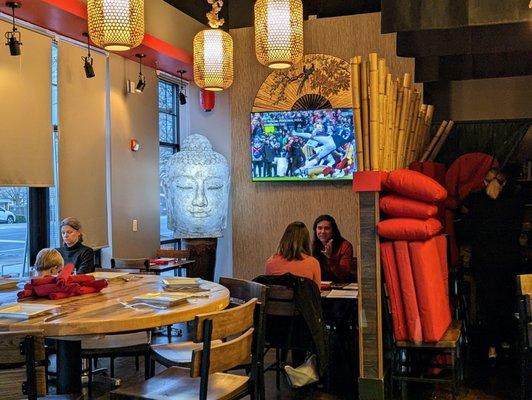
(134, 145)
(13, 37)
(141, 84)
(87, 61)
(182, 94)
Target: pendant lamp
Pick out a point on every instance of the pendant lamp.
(278, 32)
(213, 53)
(116, 25)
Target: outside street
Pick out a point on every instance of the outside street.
(12, 247)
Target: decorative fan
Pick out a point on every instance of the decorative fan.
(318, 81)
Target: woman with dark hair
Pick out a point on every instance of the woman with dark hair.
(293, 255)
(73, 251)
(334, 253)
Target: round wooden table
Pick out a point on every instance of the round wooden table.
(103, 313)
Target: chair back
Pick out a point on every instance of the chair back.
(281, 301)
(125, 263)
(20, 373)
(177, 254)
(241, 290)
(226, 323)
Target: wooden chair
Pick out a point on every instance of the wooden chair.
(22, 366)
(241, 291)
(406, 356)
(205, 378)
(178, 255)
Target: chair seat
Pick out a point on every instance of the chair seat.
(176, 354)
(176, 383)
(449, 339)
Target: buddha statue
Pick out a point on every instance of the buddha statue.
(196, 184)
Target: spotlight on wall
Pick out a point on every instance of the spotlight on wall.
(87, 61)
(141, 84)
(182, 94)
(13, 37)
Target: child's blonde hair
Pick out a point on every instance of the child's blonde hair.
(47, 259)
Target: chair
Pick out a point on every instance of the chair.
(408, 360)
(175, 254)
(205, 378)
(142, 264)
(240, 291)
(22, 366)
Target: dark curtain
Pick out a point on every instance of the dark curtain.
(499, 138)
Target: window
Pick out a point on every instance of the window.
(13, 230)
(168, 144)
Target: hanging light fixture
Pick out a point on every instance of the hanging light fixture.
(182, 94)
(141, 84)
(278, 32)
(213, 53)
(13, 36)
(116, 25)
(87, 60)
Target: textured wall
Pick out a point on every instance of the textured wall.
(261, 211)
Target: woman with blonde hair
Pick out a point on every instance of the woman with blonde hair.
(73, 251)
(293, 255)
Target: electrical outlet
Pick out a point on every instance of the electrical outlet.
(135, 226)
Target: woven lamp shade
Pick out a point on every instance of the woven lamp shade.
(278, 32)
(116, 25)
(213, 59)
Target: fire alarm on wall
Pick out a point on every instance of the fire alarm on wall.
(135, 146)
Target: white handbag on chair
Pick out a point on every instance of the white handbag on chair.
(305, 374)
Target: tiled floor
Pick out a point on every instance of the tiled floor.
(485, 382)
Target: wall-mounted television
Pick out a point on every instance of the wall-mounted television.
(303, 145)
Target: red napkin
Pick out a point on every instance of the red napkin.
(81, 279)
(157, 261)
(24, 293)
(43, 280)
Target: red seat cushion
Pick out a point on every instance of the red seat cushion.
(431, 290)
(409, 228)
(394, 291)
(441, 245)
(399, 206)
(408, 291)
(415, 185)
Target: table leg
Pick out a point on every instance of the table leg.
(68, 366)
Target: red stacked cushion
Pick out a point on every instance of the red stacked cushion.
(409, 228)
(399, 206)
(415, 185)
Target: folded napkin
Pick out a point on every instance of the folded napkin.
(157, 261)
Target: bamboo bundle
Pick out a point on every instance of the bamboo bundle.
(356, 92)
(433, 142)
(381, 69)
(365, 114)
(442, 140)
(374, 111)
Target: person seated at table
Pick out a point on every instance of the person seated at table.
(293, 255)
(334, 253)
(73, 251)
(48, 262)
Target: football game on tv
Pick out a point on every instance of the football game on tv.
(303, 145)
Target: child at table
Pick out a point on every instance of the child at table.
(48, 262)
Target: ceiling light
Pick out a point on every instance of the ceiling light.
(213, 53)
(13, 36)
(87, 61)
(116, 25)
(141, 84)
(278, 32)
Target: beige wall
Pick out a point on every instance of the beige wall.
(134, 176)
(261, 211)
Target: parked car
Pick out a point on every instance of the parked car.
(6, 216)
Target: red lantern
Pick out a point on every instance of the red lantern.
(207, 100)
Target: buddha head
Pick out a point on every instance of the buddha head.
(196, 182)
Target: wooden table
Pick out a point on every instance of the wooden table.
(171, 266)
(102, 313)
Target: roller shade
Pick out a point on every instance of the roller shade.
(82, 143)
(26, 158)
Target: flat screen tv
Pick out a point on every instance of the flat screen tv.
(303, 145)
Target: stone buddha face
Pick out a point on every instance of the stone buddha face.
(197, 190)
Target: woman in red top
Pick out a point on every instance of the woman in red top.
(293, 255)
(334, 253)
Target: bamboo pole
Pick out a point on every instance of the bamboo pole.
(433, 142)
(388, 97)
(355, 92)
(365, 114)
(374, 111)
(426, 129)
(412, 125)
(442, 140)
(405, 109)
(418, 132)
(396, 119)
(381, 68)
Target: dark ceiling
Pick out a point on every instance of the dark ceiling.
(239, 13)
